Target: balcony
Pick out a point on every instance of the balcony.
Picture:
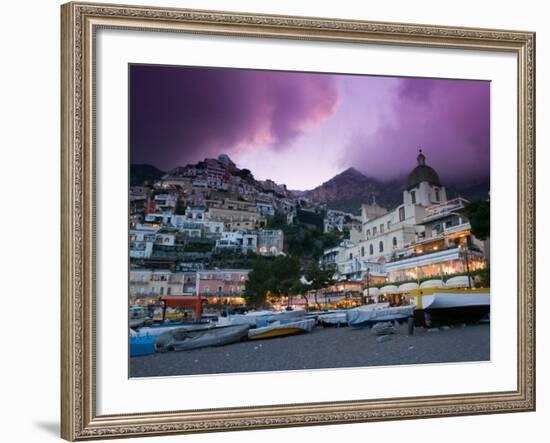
(435, 211)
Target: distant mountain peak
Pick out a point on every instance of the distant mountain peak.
(351, 171)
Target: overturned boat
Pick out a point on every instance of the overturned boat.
(262, 318)
(443, 306)
(162, 329)
(336, 318)
(184, 339)
(282, 328)
(368, 315)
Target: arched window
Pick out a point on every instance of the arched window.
(371, 250)
(350, 255)
(394, 242)
(368, 233)
(381, 246)
(362, 251)
(413, 197)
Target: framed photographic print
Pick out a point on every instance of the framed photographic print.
(284, 221)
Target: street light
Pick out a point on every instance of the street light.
(464, 250)
(368, 285)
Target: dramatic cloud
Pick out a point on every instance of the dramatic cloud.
(302, 129)
(449, 119)
(181, 115)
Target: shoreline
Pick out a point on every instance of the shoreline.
(324, 348)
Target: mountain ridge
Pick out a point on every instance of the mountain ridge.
(346, 191)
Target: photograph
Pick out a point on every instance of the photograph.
(290, 221)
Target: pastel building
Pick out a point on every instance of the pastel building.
(221, 282)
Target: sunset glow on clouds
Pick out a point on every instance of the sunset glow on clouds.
(302, 128)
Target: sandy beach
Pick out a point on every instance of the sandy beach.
(324, 348)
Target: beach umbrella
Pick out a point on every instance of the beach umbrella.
(436, 283)
(373, 292)
(458, 282)
(407, 287)
(389, 289)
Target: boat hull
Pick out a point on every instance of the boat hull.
(442, 307)
(449, 316)
(360, 318)
(336, 319)
(277, 333)
(281, 329)
(188, 340)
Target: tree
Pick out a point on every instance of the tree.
(256, 287)
(275, 276)
(479, 215)
(320, 278)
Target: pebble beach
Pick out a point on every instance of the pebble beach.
(329, 347)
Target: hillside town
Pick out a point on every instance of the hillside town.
(198, 229)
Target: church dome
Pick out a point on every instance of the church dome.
(422, 173)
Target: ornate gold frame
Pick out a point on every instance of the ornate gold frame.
(79, 23)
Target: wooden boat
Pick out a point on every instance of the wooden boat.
(161, 329)
(142, 345)
(282, 328)
(136, 316)
(184, 339)
(367, 316)
(437, 306)
(262, 318)
(337, 318)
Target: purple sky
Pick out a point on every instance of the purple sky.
(302, 129)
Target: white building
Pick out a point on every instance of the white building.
(385, 232)
(264, 208)
(166, 203)
(270, 242)
(245, 241)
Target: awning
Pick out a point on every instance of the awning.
(178, 301)
(389, 289)
(406, 287)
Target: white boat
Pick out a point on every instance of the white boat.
(360, 317)
(281, 328)
(185, 340)
(455, 299)
(445, 306)
(161, 329)
(262, 318)
(333, 318)
(136, 316)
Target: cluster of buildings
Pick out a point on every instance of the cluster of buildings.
(193, 213)
(212, 208)
(427, 235)
(148, 284)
